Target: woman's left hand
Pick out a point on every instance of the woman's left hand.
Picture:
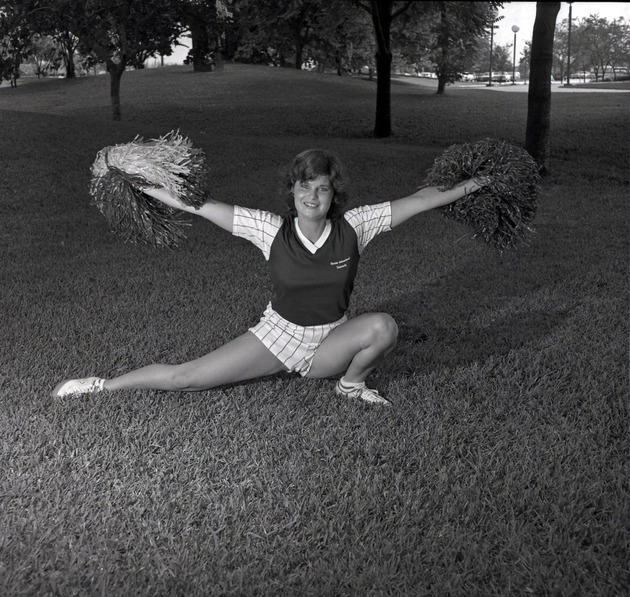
(482, 181)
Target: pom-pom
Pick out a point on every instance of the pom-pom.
(121, 171)
(501, 211)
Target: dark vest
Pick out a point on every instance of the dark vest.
(313, 289)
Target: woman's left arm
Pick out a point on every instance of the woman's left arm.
(429, 198)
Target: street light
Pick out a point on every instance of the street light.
(492, 28)
(515, 29)
(569, 46)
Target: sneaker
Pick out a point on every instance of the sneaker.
(74, 387)
(362, 392)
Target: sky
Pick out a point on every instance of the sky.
(521, 14)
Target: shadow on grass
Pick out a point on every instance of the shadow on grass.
(432, 345)
(473, 314)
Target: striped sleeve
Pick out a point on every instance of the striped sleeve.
(257, 226)
(369, 220)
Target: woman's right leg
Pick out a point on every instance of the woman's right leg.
(245, 357)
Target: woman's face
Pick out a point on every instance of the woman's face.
(313, 197)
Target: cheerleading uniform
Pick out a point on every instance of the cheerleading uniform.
(312, 282)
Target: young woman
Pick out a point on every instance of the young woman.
(313, 254)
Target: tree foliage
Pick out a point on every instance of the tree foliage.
(55, 19)
(443, 33)
(607, 44)
(279, 32)
(210, 26)
(456, 33)
(120, 31)
(501, 57)
(45, 54)
(597, 45)
(340, 39)
(15, 40)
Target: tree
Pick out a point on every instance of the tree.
(44, 54)
(501, 57)
(339, 40)
(579, 57)
(457, 24)
(539, 95)
(207, 23)
(523, 66)
(607, 44)
(413, 42)
(298, 32)
(599, 42)
(301, 18)
(561, 49)
(15, 40)
(456, 33)
(68, 44)
(117, 31)
(620, 47)
(56, 19)
(383, 13)
(280, 31)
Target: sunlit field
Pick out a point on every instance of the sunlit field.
(500, 470)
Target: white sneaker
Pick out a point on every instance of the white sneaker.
(74, 387)
(363, 393)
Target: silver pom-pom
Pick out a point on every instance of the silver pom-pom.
(120, 172)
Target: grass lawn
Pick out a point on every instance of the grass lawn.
(501, 470)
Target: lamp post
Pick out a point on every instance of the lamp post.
(515, 30)
(569, 46)
(492, 28)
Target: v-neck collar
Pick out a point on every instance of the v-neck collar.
(312, 247)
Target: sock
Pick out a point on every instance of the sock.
(348, 386)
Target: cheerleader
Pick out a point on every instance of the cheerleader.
(313, 253)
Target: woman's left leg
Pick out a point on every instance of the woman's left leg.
(355, 347)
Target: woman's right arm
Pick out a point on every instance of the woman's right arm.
(221, 214)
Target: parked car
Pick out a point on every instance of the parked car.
(496, 77)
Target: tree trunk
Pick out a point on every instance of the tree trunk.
(299, 53)
(383, 124)
(218, 58)
(339, 63)
(199, 36)
(68, 58)
(539, 96)
(382, 19)
(115, 74)
(116, 69)
(443, 43)
(70, 68)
